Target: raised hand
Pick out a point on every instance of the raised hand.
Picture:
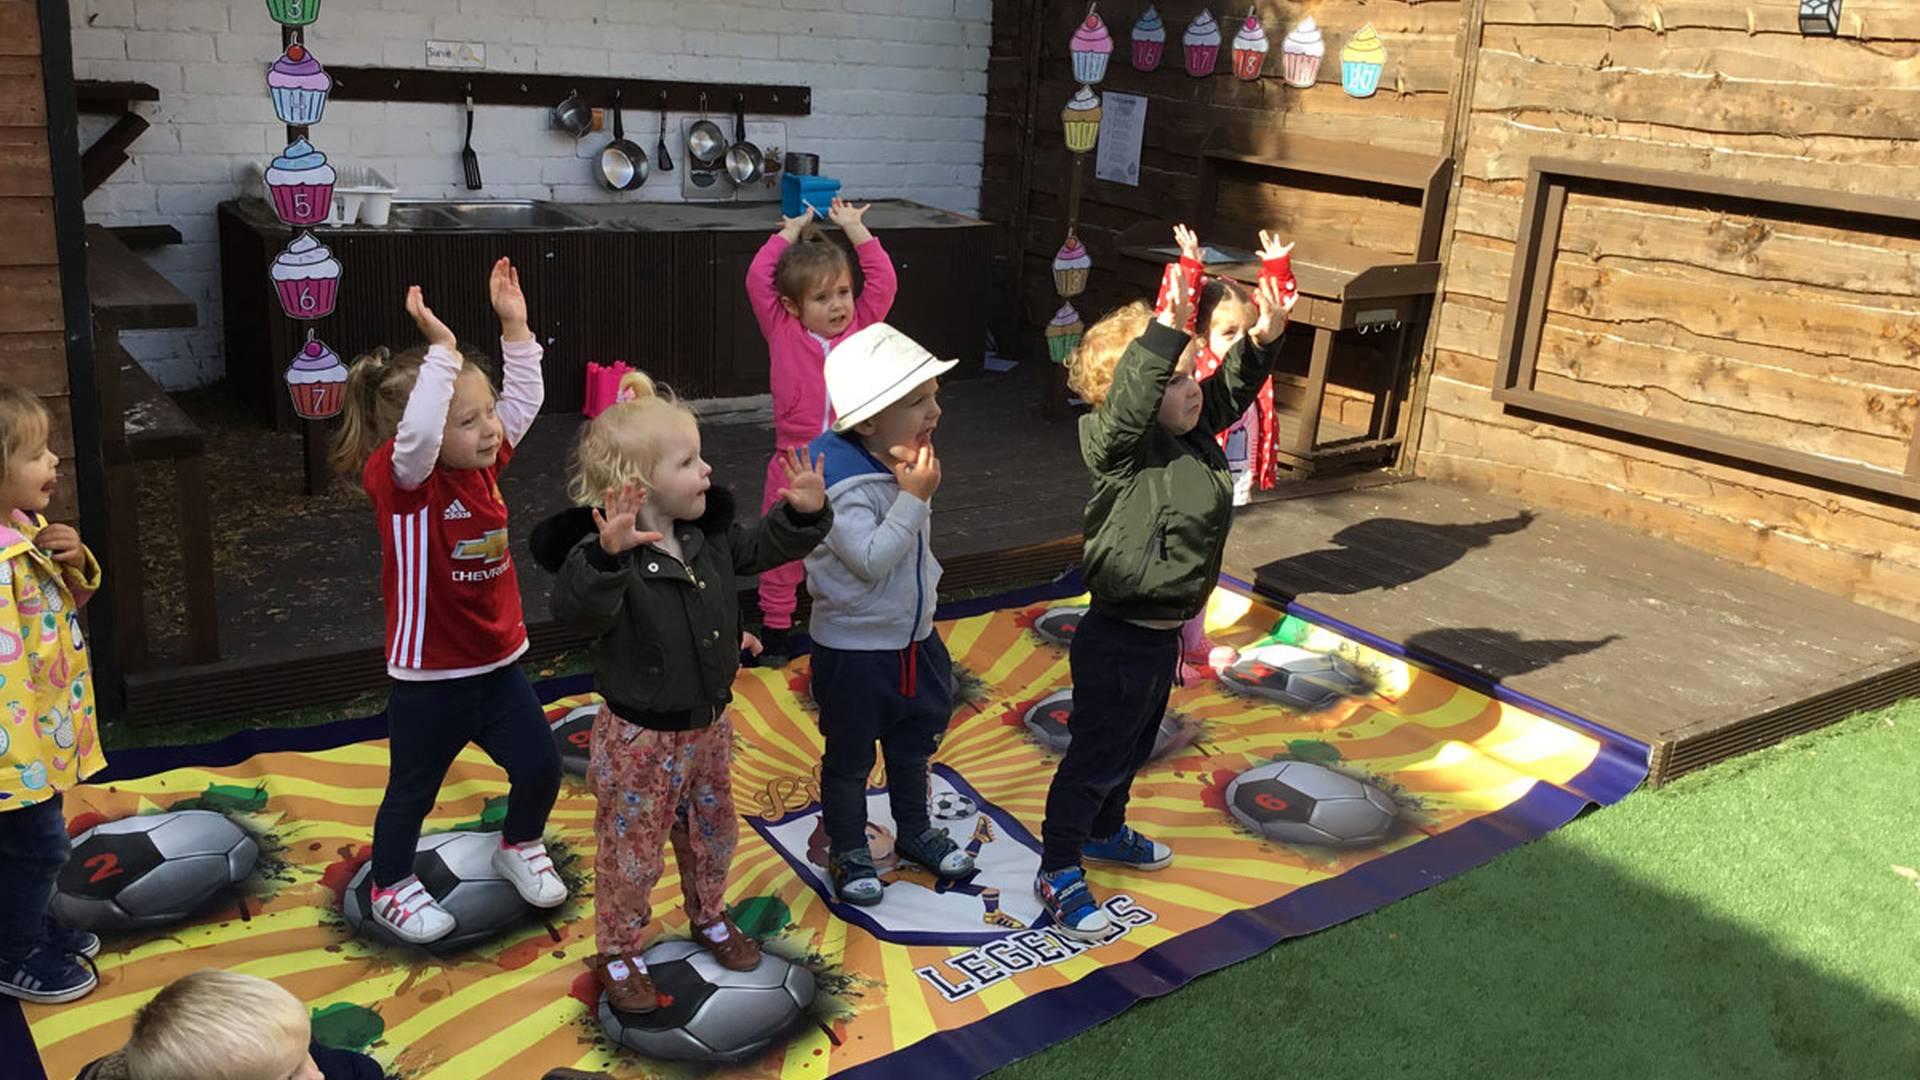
(1271, 247)
(618, 520)
(806, 490)
(918, 471)
(431, 327)
(509, 303)
(1189, 243)
(1179, 301)
(1272, 303)
(790, 226)
(851, 219)
(63, 543)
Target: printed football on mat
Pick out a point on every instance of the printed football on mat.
(708, 1013)
(457, 869)
(1058, 624)
(951, 806)
(573, 737)
(1295, 677)
(151, 870)
(1048, 720)
(1298, 802)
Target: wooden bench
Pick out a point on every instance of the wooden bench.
(1367, 232)
(141, 424)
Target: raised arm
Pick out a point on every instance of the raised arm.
(762, 295)
(882, 284)
(521, 388)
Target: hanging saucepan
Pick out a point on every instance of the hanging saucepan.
(572, 116)
(745, 163)
(623, 163)
(706, 144)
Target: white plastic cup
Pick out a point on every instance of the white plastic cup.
(375, 209)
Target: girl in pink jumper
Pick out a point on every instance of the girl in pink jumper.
(800, 286)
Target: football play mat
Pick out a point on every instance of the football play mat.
(1318, 777)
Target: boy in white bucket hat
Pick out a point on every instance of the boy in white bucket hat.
(880, 672)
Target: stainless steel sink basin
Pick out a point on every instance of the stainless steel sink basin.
(501, 214)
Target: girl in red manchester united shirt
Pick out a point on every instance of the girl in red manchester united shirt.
(425, 434)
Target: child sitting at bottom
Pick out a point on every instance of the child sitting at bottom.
(880, 670)
(649, 573)
(221, 1025)
(1156, 525)
(50, 743)
(800, 286)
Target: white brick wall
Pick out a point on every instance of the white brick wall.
(899, 101)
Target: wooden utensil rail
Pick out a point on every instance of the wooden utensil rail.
(452, 86)
(1344, 290)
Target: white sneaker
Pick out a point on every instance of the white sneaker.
(532, 873)
(410, 912)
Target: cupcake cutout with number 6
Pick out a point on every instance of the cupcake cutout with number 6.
(1203, 45)
(1362, 61)
(306, 276)
(300, 183)
(1071, 265)
(317, 380)
(299, 86)
(294, 12)
(1149, 40)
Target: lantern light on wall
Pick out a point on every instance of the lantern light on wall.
(1820, 18)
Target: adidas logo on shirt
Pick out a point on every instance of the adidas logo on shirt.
(456, 512)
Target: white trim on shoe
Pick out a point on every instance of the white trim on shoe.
(421, 919)
(530, 870)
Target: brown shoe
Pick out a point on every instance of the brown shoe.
(628, 990)
(737, 953)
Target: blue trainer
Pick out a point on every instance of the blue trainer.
(67, 939)
(47, 976)
(1128, 848)
(1075, 912)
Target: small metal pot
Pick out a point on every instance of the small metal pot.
(623, 162)
(745, 163)
(706, 143)
(803, 164)
(572, 116)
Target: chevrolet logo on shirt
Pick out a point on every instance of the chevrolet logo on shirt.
(492, 547)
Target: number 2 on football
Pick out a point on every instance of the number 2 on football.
(104, 865)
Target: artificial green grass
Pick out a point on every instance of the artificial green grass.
(1745, 922)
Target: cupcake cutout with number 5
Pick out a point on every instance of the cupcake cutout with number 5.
(306, 276)
(301, 184)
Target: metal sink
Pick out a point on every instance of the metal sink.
(500, 214)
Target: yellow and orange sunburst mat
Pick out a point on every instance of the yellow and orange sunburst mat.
(1309, 778)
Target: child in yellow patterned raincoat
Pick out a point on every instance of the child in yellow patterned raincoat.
(48, 741)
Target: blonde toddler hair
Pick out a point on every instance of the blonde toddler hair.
(378, 386)
(1090, 369)
(24, 424)
(622, 445)
(217, 1025)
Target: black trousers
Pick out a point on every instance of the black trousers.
(1122, 676)
(901, 699)
(428, 724)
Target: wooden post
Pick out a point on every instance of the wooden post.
(313, 433)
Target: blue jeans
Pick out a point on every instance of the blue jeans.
(33, 848)
(904, 701)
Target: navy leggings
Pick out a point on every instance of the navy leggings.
(428, 724)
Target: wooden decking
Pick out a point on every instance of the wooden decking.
(1699, 658)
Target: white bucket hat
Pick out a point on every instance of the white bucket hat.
(873, 368)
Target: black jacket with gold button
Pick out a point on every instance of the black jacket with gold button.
(666, 631)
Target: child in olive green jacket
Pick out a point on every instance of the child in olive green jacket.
(1156, 526)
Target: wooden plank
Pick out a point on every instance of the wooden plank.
(35, 362)
(1763, 57)
(1880, 19)
(25, 167)
(1324, 157)
(29, 299)
(1706, 101)
(27, 225)
(19, 28)
(23, 98)
(127, 293)
(1249, 202)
